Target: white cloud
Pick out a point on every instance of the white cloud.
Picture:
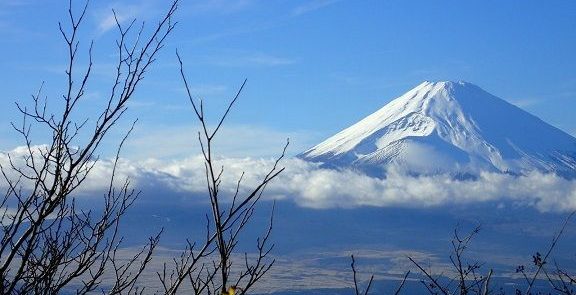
(525, 102)
(311, 186)
(7, 25)
(126, 11)
(266, 60)
(203, 90)
(168, 142)
(219, 6)
(15, 2)
(242, 58)
(107, 21)
(312, 5)
(247, 60)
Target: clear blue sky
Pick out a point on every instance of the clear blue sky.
(313, 67)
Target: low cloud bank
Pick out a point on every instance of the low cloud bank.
(309, 185)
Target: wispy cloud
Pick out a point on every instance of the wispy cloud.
(15, 2)
(251, 60)
(108, 22)
(141, 10)
(531, 101)
(234, 141)
(219, 6)
(6, 9)
(369, 81)
(18, 2)
(202, 90)
(142, 104)
(311, 6)
(107, 19)
(525, 102)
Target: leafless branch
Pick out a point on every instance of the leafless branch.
(48, 243)
(228, 221)
(466, 279)
(354, 274)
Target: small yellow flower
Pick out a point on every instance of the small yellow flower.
(231, 291)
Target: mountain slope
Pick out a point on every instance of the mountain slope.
(453, 127)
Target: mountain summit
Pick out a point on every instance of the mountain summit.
(449, 127)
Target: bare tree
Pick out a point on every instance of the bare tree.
(562, 281)
(466, 280)
(358, 290)
(197, 264)
(558, 278)
(49, 244)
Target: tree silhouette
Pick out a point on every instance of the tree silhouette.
(47, 243)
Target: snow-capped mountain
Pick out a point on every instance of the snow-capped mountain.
(449, 127)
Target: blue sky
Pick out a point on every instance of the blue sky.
(313, 67)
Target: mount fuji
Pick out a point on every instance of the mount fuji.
(449, 127)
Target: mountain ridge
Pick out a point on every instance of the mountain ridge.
(449, 127)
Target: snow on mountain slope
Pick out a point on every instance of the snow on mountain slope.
(449, 127)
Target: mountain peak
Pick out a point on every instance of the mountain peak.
(448, 126)
(446, 84)
(444, 87)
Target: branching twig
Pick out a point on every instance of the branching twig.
(228, 221)
(47, 242)
(356, 288)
